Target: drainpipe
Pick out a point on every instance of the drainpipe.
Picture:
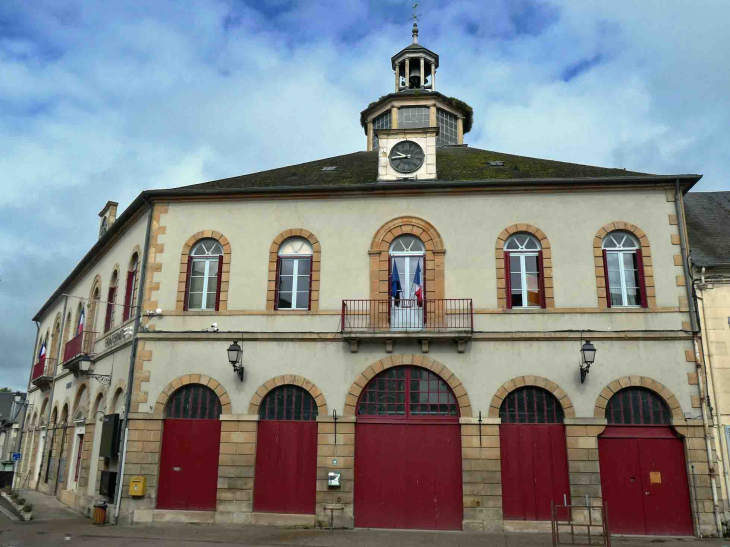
(679, 205)
(132, 359)
(27, 391)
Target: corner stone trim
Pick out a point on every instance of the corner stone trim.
(547, 262)
(201, 379)
(183, 274)
(288, 379)
(380, 255)
(274, 255)
(539, 381)
(645, 254)
(423, 361)
(637, 381)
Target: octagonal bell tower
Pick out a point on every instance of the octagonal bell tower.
(414, 112)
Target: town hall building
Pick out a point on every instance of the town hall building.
(418, 335)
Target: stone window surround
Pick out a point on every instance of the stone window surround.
(637, 381)
(529, 380)
(201, 379)
(645, 255)
(547, 263)
(380, 255)
(273, 259)
(225, 273)
(288, 379)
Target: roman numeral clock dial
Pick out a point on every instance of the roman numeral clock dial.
(406, 156)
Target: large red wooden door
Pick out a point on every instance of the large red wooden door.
(408, 453)
(189, 465)
(191, 439)
(533, 453)
(643, 468)
(286, 452)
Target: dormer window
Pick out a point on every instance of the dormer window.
(103, 227)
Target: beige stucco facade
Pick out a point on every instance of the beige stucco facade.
(649, 347)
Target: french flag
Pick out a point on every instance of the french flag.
(418, 293)
(80, 328)
(42, 353)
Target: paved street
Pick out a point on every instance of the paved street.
(54, 524)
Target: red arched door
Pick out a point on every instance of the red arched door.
(191, 439)
(643, 468)
(533, 453)
(286, 452)
(408, 453)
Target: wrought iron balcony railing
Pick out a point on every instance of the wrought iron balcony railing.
(430, 315)
(81, 344)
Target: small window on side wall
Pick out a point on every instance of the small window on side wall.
(524, 279)
(623, 267)
(294, 275)
(205, 264)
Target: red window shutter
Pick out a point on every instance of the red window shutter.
(423, 285)
(309, 296)
(276, 283)
(109, 309)
(507, 280)
(541, 279)
(390, 284)
(605, 273)
(128, 295)
(218, 288)
(642, 279)
(187, 283)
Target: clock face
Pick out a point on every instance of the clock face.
(406, 157)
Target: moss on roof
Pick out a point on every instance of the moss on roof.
(452, 163)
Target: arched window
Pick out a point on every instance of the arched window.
(531, 405)
(131, 285)
(288, 402)
(293, 274)
(407, 392)
(110, 303)
(624, 270)
(637, 406)
(194, 402)
(524, 279)
(407, 282)
(204, 280)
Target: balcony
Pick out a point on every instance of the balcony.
(78, 349)
(43, 372)
(424, 320)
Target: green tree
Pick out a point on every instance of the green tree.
(5, 390)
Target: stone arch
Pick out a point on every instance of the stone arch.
(225, 273)
(547, 262)
(95, 408)
(293, 379)
(380, 253)
(202, 379)
(645, 255)
(316, 264)
(417, 360)
(65, 416)
(617, 385)
(66, 331)
(55, 341)
(54, 414)
(111, 402)
(538, 381)
(135, 289)
(93, 303)
(44, 404)
(82, 389)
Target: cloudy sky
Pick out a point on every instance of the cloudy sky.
(100, 100)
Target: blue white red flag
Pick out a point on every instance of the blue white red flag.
(80, 328)
(418, 292)
(395, 286)
(42, 353)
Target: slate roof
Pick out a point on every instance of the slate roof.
(454, 163)
(708, 227)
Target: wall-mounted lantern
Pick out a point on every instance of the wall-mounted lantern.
(588, 354)
(235, 354)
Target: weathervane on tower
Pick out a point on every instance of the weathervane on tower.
(415, 17)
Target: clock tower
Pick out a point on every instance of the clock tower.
(408, 126)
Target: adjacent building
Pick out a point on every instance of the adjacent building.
(420, 335)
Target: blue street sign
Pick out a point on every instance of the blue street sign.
(15, 456)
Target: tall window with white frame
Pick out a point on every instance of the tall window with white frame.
(111, 302)
(294, 274)
(524, 280)
(205, 264)
(624, 270)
